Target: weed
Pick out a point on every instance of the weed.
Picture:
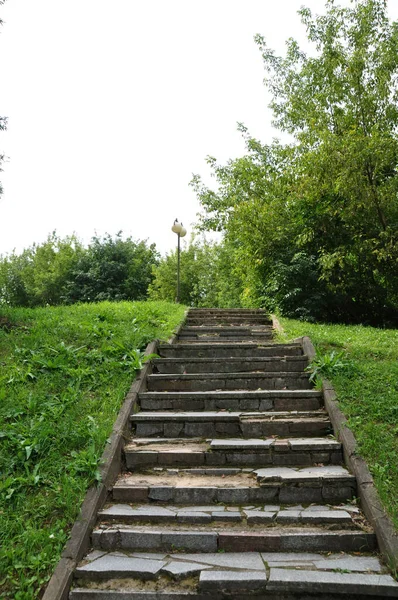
(64, 376)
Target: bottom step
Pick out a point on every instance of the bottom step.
(272, 576)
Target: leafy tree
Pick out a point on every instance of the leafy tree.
(38, 275)
(206, 276)
(321, 212)
(112, 269)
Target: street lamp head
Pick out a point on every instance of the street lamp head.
(177, 227)
(183, 231)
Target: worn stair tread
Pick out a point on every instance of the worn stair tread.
(283, 444)
(175, 477)
(228, 537)
(231, 394)
(181, 566)
(225, 415)
(264, 514)
(342, 583)
(243, 375)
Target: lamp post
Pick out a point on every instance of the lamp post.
(181, 232)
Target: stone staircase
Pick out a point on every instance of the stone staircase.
(234, 485)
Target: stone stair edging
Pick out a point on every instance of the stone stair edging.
(386, 534)
(110, 465)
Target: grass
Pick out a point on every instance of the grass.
(362, 364)
(64, 374)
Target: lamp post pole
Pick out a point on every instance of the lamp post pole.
(181, 232)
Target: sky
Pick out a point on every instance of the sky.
(112, 106)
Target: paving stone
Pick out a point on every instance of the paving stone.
(288, 516)
(291, 557)
(111, 565)
(180, 570)
(257, 516)
(132, 539)
(350, 563)
(240, 444)
(193, 540)
(235, 495)
(193, 495)
(224, 581)
(316, 582)
(193, 517)
(313, 443)
(227, 516)
(173, 429)
(325, 516)
(231, 560)
(207, 508)
(161, 493)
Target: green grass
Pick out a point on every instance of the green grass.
(364, 372)
(64, 374)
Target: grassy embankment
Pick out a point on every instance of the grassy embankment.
(365, 378)
(64, 374)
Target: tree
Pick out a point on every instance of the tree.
(207, 278)
(322, 211)
(112, 269)
(341, 107)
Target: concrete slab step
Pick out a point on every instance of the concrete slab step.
(142, 453)
(331, 484)
(228, 381)
(228, 350)
(268, 364)
(175, 576)
(226, 424)
(267, 515)
(227, 321)
(261, 400)
(236, 538)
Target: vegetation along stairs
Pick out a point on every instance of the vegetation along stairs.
(234, 485)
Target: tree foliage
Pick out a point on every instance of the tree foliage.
(207, 277)
(321, 213)
(61, 271)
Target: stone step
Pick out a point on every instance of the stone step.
(276, 485)
(346, 517)
(265, 400)
(235, 538)
(169, 452)
(228, 381)
(226, 424)
(243, 320)
(268, 364)
(230, 350)
(177, 576)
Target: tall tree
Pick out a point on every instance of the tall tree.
(322, 210)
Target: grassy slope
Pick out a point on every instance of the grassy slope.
(64, 374)
(368, 394)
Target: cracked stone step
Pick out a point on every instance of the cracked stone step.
(194, 515)
(255, 400)
(223, 423)
(331, 484)
(283, 580)
(177, 452)
(228, 381)
(220, 350)
(269, 364)
(236, 538)
(103, 566)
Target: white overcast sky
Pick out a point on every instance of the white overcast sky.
(113, 105)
